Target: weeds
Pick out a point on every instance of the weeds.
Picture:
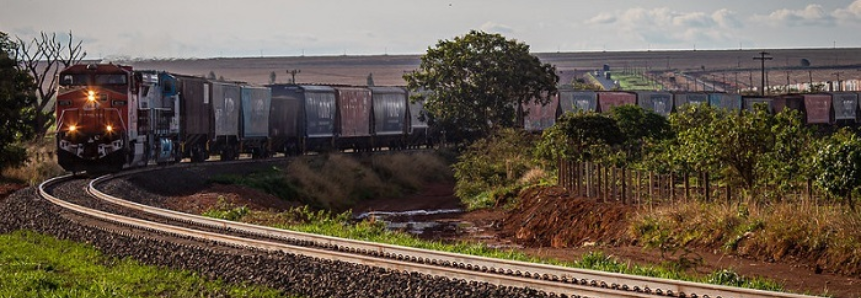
(41, 164)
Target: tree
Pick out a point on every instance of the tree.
(480, 81)
(839, 165)
(43, 58)
(211, 75)
(272, 77)
(639, 127)
(582, 137)
(16, 105)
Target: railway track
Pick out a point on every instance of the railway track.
(550, 279)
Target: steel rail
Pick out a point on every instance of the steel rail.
(620, 284)
(385, 263)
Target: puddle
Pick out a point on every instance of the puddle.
(403, 220)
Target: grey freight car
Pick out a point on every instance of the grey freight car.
(254, 132)
(390, 116)
(302, 118)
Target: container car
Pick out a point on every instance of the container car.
(226, 110)
(390, 117)
(659, 102)
(576, 101)
(353, 125)
(539, 117)
(845, 106)
(313, 113)
(608, 100)
(254, 125)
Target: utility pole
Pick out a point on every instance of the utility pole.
(292, 74)
(762, 57)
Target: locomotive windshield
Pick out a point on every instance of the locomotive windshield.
(96, 80)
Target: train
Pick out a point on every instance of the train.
(819, 109)
(111, 117)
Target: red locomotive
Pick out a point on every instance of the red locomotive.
(110, 117)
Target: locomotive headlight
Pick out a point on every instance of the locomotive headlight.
(109, 128)
(72, 128)
(91, 96)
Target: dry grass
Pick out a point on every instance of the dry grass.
(827, 236)
(41, 165)
(411, 170)
(337, 181)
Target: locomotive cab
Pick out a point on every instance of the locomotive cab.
(92, 122)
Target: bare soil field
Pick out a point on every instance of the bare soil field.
(388, 70)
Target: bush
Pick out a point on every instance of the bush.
(492, 164)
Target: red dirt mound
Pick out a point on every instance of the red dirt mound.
(233, 194)
(548, 217)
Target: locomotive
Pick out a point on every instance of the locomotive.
(109, 116)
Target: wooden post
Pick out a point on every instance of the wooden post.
(613, 189)
(651, 186)
(707, 190)
(588, 170)
(624, 184)
(639, 190)
(728, 193)
(687, 186)
(672, 187)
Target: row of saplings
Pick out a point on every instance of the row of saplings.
(770, 161)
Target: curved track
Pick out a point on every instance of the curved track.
(551, 279)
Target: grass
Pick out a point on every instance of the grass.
(340, 225)
(36, 265)
(634, 82)
(829, 236)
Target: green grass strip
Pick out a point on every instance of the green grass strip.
(36, 265)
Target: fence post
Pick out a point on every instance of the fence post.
(638, 193)
(588, 180)
(707, 189)
(687, 186)
(624, 184)
(651, 186)
(613, 189)
(672, 187)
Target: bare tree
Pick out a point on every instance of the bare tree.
(43, 58)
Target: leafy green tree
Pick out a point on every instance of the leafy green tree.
(581, 136)
(736, 143)
(790, 158)
(838, 163)
(17, 96)
(479, 82)
(640, 127)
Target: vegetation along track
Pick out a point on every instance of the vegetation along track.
(549, 279)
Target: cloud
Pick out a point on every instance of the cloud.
(851, 13)
(604, 18)
(664, 26)
(496, 28)
(812, 15)
(727, 18)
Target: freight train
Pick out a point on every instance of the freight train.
(110, 117)
(831, 108)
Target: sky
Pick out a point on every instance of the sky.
(253, 28)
